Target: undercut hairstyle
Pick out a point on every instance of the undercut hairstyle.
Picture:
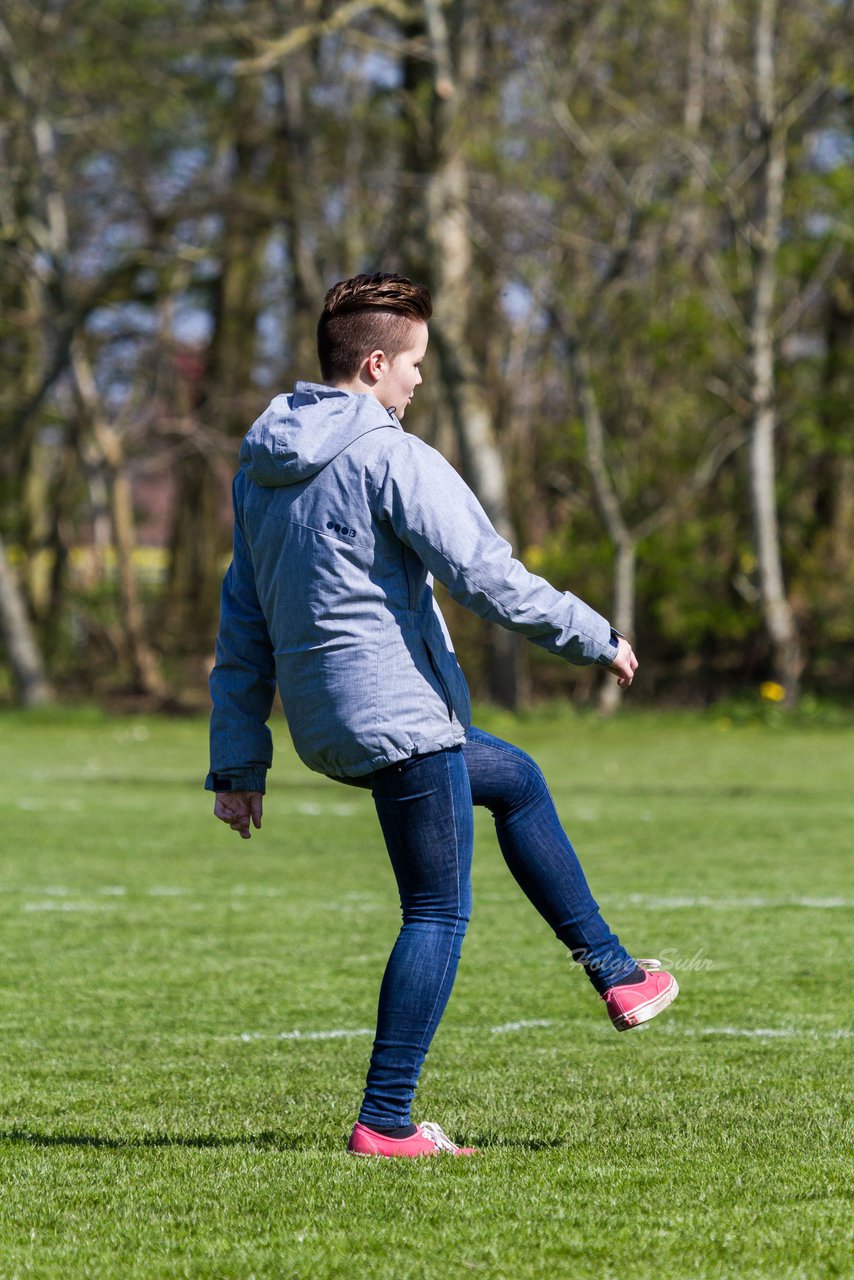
(365, 314)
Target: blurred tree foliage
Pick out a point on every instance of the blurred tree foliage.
(634, 221)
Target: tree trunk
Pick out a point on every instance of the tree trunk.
(144, 668)
(607, 499)
(690, 213)
(299, 202)
(224, 396)
(622, 616)
(837, 397)
(447, 234)
(59, 542)
(483, 468)
(230, 401)
(19, 641)
(777, 612)
(195, 568)
(145, 671)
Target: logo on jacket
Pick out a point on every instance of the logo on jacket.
(341, 528)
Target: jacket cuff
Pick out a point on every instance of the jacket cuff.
(609, 653)
(234, 780)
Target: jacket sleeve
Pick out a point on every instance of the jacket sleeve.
(243, 681)
(435, 513)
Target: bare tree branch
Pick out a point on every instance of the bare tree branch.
(810, 292)
(707, 467)
(342, 16)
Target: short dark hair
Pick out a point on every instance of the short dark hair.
(365, 314)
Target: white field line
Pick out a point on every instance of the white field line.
(335, 1033)
(521, 1026)
(671, 1028)
(764, 1033)
(357, 899)
(653, 902)
(311, 809)
(347, 1033)
(305, 808)
(52, 905)
(348, 901)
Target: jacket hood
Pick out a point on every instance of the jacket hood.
(297, 435)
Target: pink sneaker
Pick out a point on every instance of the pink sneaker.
(637, 1002)
(427, 1140)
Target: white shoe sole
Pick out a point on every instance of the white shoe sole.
(644, 1012)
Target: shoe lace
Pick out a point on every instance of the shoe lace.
(437, 1134)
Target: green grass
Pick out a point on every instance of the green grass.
(160, 1118)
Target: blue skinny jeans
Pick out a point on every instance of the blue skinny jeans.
(425, 811)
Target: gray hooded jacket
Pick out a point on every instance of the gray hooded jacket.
(341, 522)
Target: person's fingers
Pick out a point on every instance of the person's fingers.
(238, 810)
(256, 808)
(222, 810)
(625, 666)
(227, 812)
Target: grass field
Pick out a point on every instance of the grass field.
(186, 1018)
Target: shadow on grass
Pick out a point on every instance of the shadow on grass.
(517, 1144)
(267, 1139)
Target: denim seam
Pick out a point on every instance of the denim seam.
(532, 765)
(454, 931)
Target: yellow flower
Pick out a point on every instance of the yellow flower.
(771, 691)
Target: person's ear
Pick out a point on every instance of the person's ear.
(375, 365)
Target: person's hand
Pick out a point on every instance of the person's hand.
(625, 664)
(237, 808)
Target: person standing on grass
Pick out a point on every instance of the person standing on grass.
(341, 522)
